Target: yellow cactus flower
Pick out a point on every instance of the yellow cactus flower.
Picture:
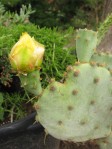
(27, 54)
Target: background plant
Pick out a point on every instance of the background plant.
(7, 17)
(1, 106)
(104, 27)
(63, 14)
(16, 106)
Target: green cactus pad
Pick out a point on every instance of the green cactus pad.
(31, 82)
(105, 143)
(103, 59)
(86, 41)
(79, 109)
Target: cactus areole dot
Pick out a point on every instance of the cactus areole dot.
(27, 54)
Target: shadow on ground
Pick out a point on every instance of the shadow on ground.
(35, 139)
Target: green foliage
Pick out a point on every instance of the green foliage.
(14, 105)
(79, 20)
(7, 18)
(104, 27)
(11, 2)
(75, 13)
(23, 17)
(5, 71)
(93, 3)
(64, 13)
(56, 58)
(1, 107)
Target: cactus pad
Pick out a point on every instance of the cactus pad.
(86, 41)
(79, 109)
(31, 82)
(105, 143)
(103, 59)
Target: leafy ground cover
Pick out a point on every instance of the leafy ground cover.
(57, 57)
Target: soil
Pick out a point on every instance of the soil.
(64, 145)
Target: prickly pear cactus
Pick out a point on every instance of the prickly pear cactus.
(105, 143)
(86, 41)
(103, 59)
(31, 82)
(79, 109)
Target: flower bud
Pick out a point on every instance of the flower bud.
(27, 54)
